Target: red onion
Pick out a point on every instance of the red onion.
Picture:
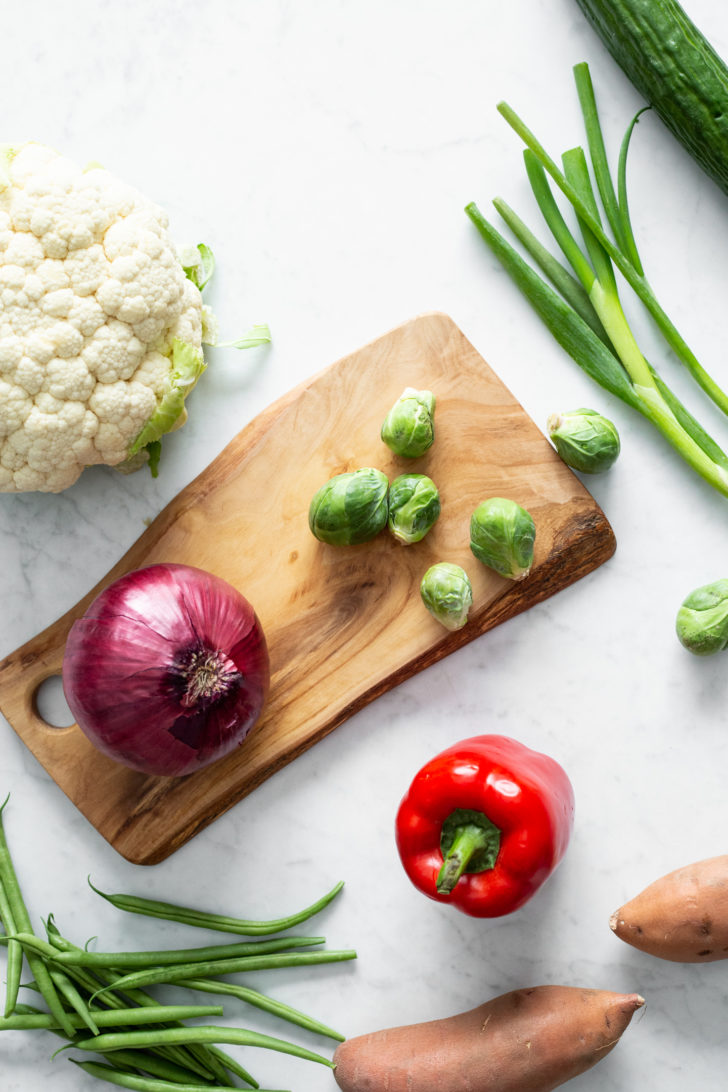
(167, 670)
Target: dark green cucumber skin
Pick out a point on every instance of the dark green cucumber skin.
(675, 68)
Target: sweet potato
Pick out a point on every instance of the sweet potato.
(682, 917)
(529, 1040)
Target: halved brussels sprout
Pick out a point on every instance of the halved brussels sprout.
(350, 508)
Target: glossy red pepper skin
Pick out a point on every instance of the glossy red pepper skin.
(527, 795)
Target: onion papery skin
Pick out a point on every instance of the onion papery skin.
(168, 669)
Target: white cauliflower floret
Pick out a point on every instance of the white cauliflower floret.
(100, 329)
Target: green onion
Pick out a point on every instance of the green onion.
(584, 311)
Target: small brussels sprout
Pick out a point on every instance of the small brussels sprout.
(502, 536)
(414, 505)
(409, 427)
(447, 594)
(584, 439)
(350, 508)
(702, 621)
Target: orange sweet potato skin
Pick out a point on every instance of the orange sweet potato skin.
(530, 1040)
(682, 917)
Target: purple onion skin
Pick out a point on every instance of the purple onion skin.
(168, 669)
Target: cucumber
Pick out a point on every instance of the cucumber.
(675, 68)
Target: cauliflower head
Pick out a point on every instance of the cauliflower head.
(100, 327)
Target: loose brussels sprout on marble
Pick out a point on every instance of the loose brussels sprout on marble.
(702, 621)
(350, 508)
(414, 506)
(447, 594)
(584, 439)
(409, 427)
(502, 535)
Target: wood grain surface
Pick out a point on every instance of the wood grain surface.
(344, 624)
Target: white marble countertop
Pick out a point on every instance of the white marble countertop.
(325, 151)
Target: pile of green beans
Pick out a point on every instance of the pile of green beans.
(98, 1001)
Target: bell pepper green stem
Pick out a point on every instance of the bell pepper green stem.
(468, 841)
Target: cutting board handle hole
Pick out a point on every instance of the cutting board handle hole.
(51, 705)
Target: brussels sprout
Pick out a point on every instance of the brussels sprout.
(409, 428)
(502, 536)
(702, 621)
(350, 508)
(584, 439)
(414, 505)
(447, 594)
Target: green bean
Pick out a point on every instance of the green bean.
(214, 1065)
(110, 1041)
(159, 1062)
(169, 911)
(231, 1064)
(153, 1063)
(66, 987)
(156, 975)
(260, 1001)
(91, 980)
(157, 1066)
(112, 1017)
(79, 957)
(202, 1059)
(195, 1057)
(219, 1078)
(149, 1048)
(68, 991)
(31, 944)
(142, 1084)
(14, 968)
(21, 919)
(28, 1010)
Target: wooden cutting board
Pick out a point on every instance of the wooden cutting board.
(344, 624)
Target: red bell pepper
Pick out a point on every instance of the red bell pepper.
(484, 823)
